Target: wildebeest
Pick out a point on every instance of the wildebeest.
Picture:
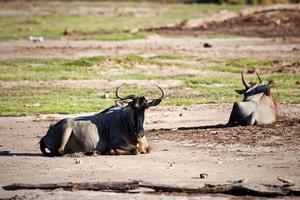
(117, 130)
(257, 107)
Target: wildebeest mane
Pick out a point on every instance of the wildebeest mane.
(114, 120)
(104, 111)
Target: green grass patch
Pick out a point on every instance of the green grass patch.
(29, 100)
(116, 36)
(248, 63)
(194, 81)
(237, 65)
(56, 69)
(20, 101)
(196, 89)
(172, 57)
(222, 36)
(83, 68)
(135, 76)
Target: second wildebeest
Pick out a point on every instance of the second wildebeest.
(117, 130)
(257, 107)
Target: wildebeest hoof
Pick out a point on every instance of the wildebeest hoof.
(111, 152)
(148, 149)
(60, 151)
(135, 151)
(145, 150)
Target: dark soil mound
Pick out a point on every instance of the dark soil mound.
(281, 21)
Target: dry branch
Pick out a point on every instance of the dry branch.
(238, 189)
(96, 186)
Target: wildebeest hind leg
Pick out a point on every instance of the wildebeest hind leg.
(124, 150)
(64, 140)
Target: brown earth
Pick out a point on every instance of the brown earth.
(275, 48)
(283, 133)
(186, 141)
(272, 21)
(257, 154)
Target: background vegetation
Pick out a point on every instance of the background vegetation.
(98, 20)
(44, 98)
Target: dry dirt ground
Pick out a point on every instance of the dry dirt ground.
(239, 47)
(257, 155)
(186, 141)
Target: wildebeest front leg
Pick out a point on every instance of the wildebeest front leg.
(242, 113)
(233, 115)
(143, 146)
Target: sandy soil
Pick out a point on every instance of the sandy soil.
(256, 154)
(157, 45)
(186, 141)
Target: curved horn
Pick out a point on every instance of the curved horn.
(258, 76)
(157, 101)
(162, 92)
(123, 98)
(247, 86)
(117, 90)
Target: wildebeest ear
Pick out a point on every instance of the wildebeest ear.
(120, 103)
(155, 102)
(271, 84)
(240, 91)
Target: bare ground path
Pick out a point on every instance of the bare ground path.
(177, 159)
(156, 45)
(186, 140)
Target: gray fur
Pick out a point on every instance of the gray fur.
(258, 106)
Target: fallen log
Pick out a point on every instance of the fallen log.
(236, 188)
(95, 186)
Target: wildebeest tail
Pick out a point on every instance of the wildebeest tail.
(43, 148)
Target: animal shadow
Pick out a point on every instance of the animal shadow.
(8, 153)
(204, 127)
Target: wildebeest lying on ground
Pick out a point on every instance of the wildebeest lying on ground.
(115, 131)
(257, 107)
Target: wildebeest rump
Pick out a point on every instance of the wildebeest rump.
(257, 107)
(84, 137)
(116, 130)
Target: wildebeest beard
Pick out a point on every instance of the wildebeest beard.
(139, 116)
